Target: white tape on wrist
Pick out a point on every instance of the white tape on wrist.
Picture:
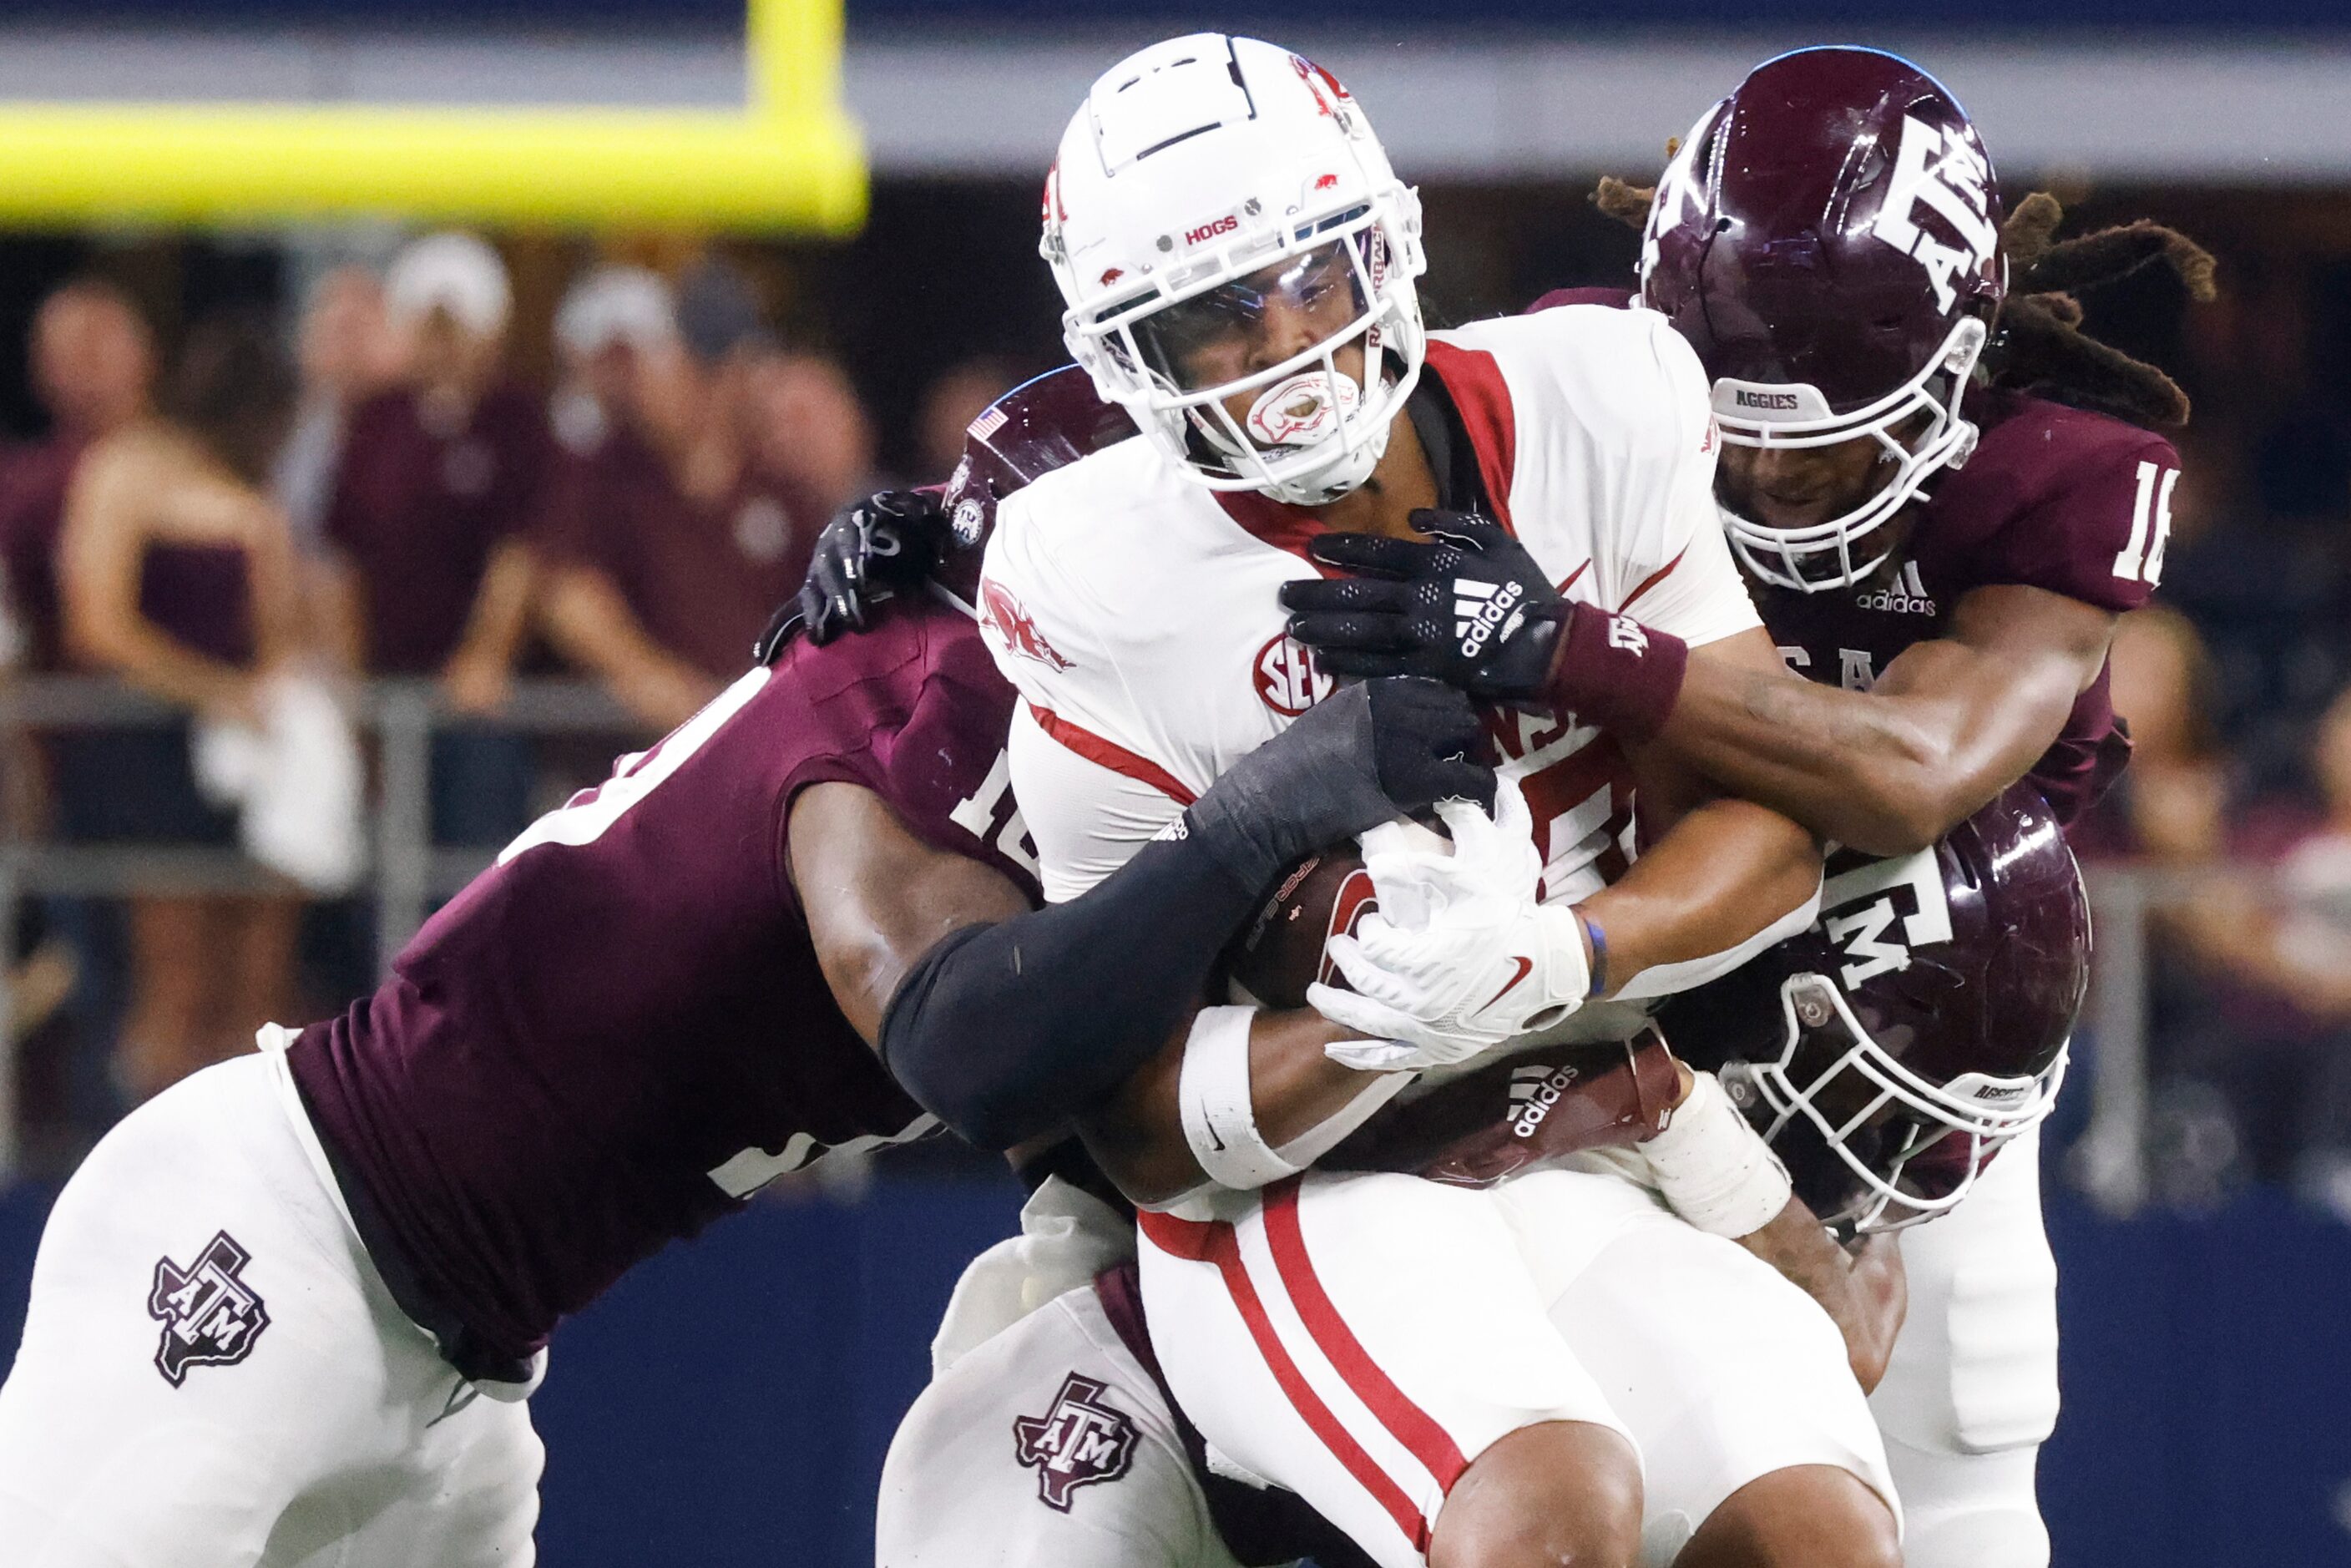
(1213, 1093)
(1715, 1170)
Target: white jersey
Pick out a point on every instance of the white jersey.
(1138, 613)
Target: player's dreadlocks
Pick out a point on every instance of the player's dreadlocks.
(2038, 344)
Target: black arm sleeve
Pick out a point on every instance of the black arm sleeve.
(1005, 1031)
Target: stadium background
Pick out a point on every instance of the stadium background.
(730, 1404)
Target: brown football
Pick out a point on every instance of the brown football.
(1280, 953)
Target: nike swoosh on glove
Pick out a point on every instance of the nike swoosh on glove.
(1460, 957)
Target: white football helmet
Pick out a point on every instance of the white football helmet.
(1202, 179)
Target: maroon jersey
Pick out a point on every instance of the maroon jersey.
(420, 510)
(619, 1032)
(2053, 498)
(701, 576)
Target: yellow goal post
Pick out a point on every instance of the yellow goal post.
(790, 160)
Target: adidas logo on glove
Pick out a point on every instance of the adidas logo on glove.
(1481, 609)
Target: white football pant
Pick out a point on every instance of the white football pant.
(1361, 1339)
(1971, 1394)
(310, 1422)
(1050, 1446)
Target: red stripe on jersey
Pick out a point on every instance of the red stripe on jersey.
(1483, 400)
(1214, 1243)
(1271, 522)
(1652, 580)
(1410, 1425)
(1111, 755)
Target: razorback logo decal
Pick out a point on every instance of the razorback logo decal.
(1081, 1440)
(1002, 614)
(1329, 95)
(210, 1316)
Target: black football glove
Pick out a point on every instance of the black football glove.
(871, 548)
(1471, 609)
(1367, 754)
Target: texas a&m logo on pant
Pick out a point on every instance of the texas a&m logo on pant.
(1081, 1440)
(210, 1317)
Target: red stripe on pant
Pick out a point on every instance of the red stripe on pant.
(1214, 1243)
(1429, 1443)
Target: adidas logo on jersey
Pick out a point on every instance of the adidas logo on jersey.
(1907, 596)
(1480, 609)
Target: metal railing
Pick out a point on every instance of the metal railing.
(2109, 1159)
(407, 874)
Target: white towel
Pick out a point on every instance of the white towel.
(295, 780)
(1067, 1237)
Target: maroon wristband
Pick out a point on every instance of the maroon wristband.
(1614, 672)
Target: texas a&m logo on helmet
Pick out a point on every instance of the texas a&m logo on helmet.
(1890, 1051)
(1939, 172)
(1827, 239)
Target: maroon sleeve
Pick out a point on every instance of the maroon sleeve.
(2093, 521)
(914, 710)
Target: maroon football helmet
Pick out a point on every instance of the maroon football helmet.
(1827, 239)
(1046, 423)
(1889, 1052)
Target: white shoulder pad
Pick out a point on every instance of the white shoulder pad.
(1042, 605)
(1616, 448)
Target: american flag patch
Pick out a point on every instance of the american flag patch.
(987, 424)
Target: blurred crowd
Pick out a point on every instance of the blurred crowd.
(359, 489)
(2236, 812)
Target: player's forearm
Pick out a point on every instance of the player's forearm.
(1950, 723)
(1005, 1030)
(1022, 1025)
(1876, 772)
(1138, 1135)
(1863, 1289)
(1729, 876)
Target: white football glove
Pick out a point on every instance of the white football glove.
(1458, 958)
